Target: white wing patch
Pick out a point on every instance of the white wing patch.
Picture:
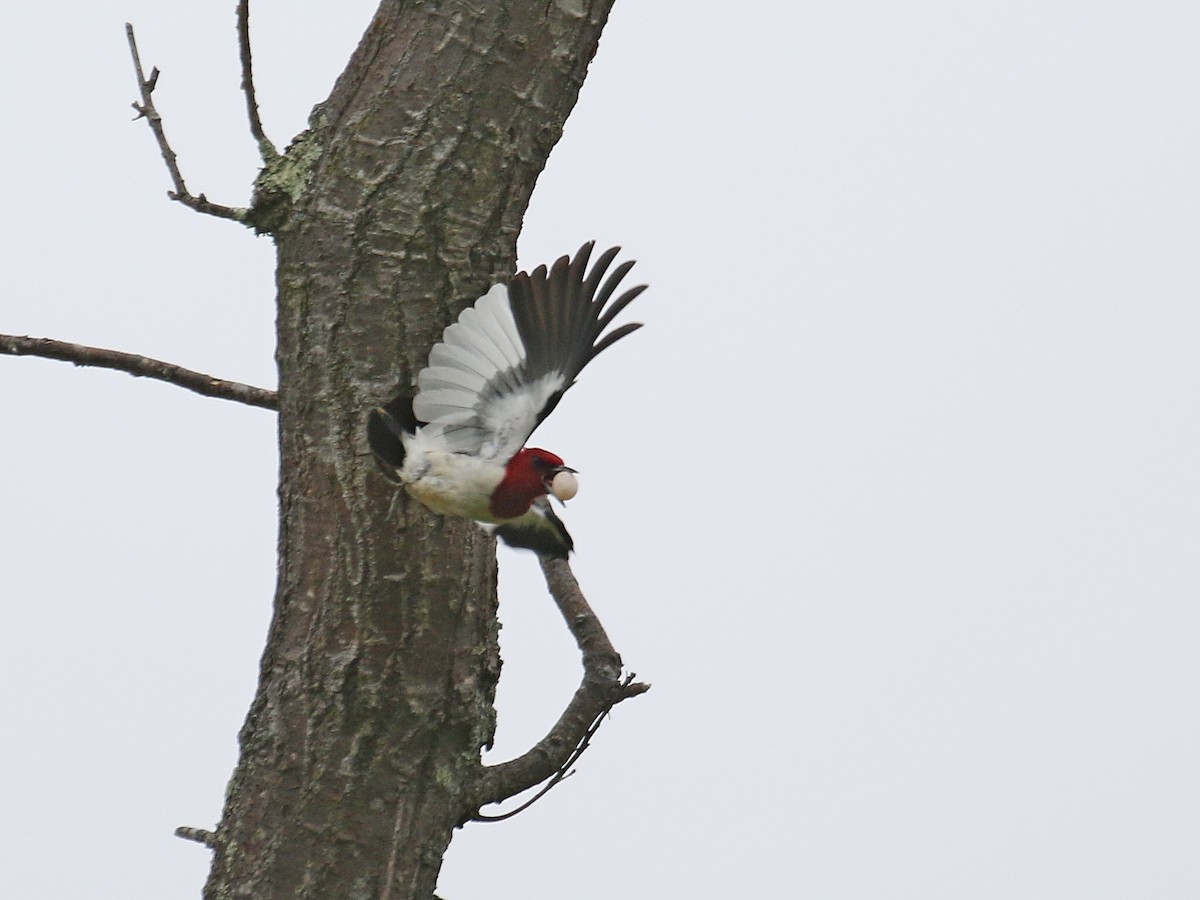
(471, 393)
(473, 351)
(493, 315)
(510, 418)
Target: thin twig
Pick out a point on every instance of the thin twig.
(140, 366)
(564, 772)
(146, 110)
(602, 688)
(559, 777)
(265, 148)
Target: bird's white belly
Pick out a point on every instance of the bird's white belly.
(452, 484)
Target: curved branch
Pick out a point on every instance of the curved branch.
(265, 148)
(146, 110)
(601, 689)
(139, 366)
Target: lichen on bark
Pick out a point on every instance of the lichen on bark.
(284, 180)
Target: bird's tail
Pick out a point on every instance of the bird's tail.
(386, 427)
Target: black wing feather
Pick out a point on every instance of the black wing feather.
(544, 534)
(561, 315)
(386, 424)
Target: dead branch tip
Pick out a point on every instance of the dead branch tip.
(146, 110)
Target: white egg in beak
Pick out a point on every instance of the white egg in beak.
(565, 485)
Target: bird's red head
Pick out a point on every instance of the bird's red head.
(530, 474)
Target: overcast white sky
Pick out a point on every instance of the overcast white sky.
(895, 499)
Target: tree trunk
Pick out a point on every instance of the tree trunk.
(361, 751)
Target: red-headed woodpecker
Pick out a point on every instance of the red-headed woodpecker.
(458, 443)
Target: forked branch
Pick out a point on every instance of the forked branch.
(602, 688)
(141, 366)
(146, 110)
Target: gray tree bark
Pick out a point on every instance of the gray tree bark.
(361, 751)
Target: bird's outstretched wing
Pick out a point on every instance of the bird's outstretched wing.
(503, 366)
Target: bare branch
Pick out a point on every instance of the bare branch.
(199, 835)
(146, 110)
(140, 366)
(564, 771)
(265, 148)
(601, 689)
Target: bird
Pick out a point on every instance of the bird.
(457, 442)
